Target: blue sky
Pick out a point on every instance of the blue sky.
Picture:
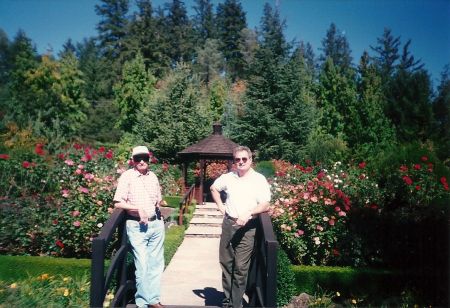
(49, 23)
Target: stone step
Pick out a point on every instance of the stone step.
(206, 221)
(203, 231)
(206, 213)
(207, 206)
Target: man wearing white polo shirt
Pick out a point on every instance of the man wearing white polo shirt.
(139, 193)
(248, 194)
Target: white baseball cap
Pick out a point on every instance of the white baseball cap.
(140, 150)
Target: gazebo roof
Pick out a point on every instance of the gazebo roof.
(215, 146)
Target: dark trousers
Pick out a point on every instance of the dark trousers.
(235, 253)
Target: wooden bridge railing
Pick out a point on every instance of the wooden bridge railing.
(262, 279)
(185, 202)
(117, 270)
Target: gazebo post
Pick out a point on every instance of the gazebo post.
(202, 177)
(185, 175)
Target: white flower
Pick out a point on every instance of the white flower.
(99, 225)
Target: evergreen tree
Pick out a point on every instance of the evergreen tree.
(209, 62)
(204, 21)
(409, 104)
(336, 47)
(307, 53)
(24, 59)
(387, 54)
(96, 74)
(248, 45)
(145, 36)
(230, 22)
(371, 129)
(177, 116)
(271, 29)
(112, 28)
(180, 33)
(5, 58)
(132, 92)
(441, 111)
(68, 47)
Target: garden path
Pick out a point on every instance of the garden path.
(193, 276)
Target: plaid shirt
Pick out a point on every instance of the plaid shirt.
(138, 189)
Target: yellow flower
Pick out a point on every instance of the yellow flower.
(65, 279)
(338, 294)
(13, 285)
(66, 292)
(354, 301)
(43, 277)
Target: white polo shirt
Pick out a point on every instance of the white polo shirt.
(243, 193)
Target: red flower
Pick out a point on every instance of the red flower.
(407, 179)
(39, 149)
(336, 252)
(443, 180)
(418, 187)
(59, 244)
(424, 158)
(109, 154)
(320, 175)
(4, 156)
(77, 146)
(26, 164)
(362, 165)
(417, 166)
(101, 149)
(61, 156)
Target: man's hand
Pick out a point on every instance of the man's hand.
(143, 217)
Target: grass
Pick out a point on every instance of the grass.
(27, 281)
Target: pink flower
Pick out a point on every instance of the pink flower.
(77, 223)
(417, 166)
(319, 228)
(337, 209)
(403, 168)
(80, 166)
(78, 171)
(75, 213)
(83, 190)
(342, 214)
(362, 165)
(300, 232)
(69, 162)
(314, 198)
(26, 164)
(4, 156)
(89, 176)
(65, 193)
(424, 158)
(331, 222)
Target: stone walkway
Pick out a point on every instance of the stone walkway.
(193, 276)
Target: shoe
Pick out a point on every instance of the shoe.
(157, 305)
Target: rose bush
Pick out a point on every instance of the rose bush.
(311, 206)
(55, 204)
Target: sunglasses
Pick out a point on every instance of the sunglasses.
(238, 159)
(139, 157)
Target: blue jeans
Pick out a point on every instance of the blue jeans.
(147, 242)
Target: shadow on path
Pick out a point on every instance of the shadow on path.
(211, 295)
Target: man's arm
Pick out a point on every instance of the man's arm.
(217, 199)
(132, 209)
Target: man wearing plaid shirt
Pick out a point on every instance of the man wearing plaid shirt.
(139, 193)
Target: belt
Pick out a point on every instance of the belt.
(230, 217)
(129, 217)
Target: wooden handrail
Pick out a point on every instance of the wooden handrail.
(262, 279)
(117, 269)
(185, 202)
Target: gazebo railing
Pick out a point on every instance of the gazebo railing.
(185, 202)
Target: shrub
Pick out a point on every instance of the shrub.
(311, 208)
(285, 276)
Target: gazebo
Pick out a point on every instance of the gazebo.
(214, 147)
